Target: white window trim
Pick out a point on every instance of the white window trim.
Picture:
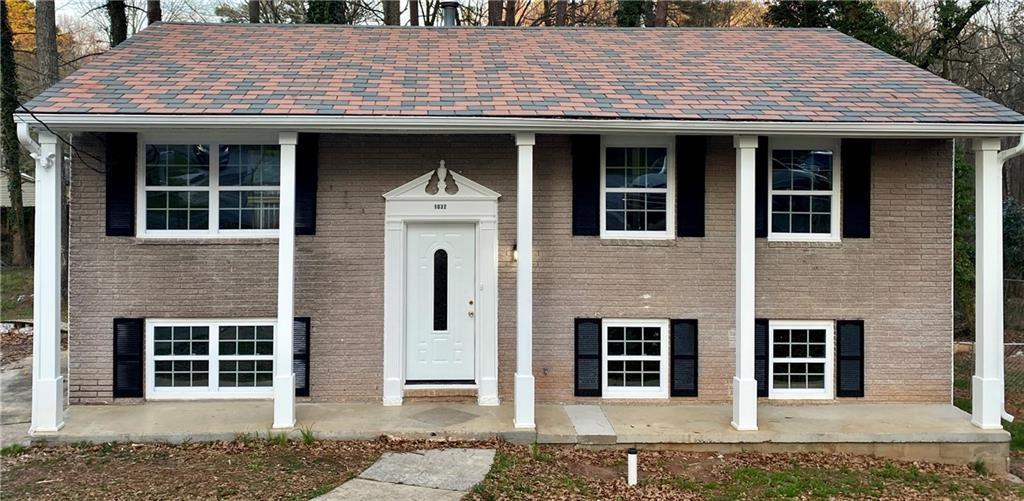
(211, 138)
(213, 391)
(667, 142)
(808, 143)
(828, 392)
(635, 392)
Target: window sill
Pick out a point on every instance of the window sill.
(205, 241)
(803, 244)
(639, 242)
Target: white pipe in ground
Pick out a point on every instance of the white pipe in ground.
(631, 465)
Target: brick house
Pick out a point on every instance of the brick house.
(342, 213)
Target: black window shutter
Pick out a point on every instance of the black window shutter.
(120, 153)
(856, 193)
(761, 356)
(128, 364)
(850, 362)
(586, 185)
(684, 358)
(588, 357)
(300, 355)
(691, 154)
(307, 166)
(761, 175)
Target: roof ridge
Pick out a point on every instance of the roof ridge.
(495, 28)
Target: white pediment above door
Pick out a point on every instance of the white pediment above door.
(441, 185)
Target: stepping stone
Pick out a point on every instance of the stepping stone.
(360, 489)
(591, 424)
(450, 469)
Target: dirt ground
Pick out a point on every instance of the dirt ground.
(262, 468)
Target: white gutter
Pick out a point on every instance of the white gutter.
(508, 125)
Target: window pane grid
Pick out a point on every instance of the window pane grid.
(636, 189)
(633, 357)
(244, 189)
(177, 165)
(246, 373)
(242, 358)
(799, 358)
(802, 191)
(181, 373)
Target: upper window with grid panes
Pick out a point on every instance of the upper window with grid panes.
(804, 196)
(188, 191)
(636, 199)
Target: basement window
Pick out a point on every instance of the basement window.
(802, 356)
(210, 359)
(635, 363)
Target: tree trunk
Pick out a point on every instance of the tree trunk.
(494, 9)
(254, 11)
(118, 22)
(510, 12)
(661, 14)
(11, 151)
(47, 64)
(414, 12)
(648, 9)
(392, 12)
(154, 14)
(560, 12)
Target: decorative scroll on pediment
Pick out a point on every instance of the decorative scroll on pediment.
(450, 187)
(441, 183)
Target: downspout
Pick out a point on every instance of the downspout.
(1002, 158)
(34, 150)
(26, 140)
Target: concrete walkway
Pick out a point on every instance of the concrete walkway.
(16, 400)
(436, 474)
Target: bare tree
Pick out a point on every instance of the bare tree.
(118, 22)
(392, 12)
(11, 149)
(154, 13)
(561, 11)
(47, 65)
(254, 11)
(510, 12)
(494, 12)
(661, 13)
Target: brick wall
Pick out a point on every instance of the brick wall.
(898, 281)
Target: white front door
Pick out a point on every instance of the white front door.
(440, 294)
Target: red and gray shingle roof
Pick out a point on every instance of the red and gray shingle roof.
(681, 74)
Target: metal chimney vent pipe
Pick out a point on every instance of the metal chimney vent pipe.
(449, 13)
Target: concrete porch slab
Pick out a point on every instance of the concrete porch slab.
(630, 423)
(181, 421)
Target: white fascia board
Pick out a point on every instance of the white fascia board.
(506, 125)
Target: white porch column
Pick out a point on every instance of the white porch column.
(744, 386)
(284, 373)
(987, 384)
(47, 382)
(524, 398)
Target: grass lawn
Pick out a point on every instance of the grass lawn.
(15, 283)
(250, 468)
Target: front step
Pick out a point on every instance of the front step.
(435, 394)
